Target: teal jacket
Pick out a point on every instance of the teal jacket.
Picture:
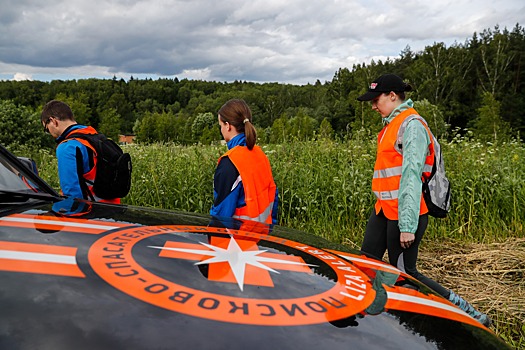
(415, 149)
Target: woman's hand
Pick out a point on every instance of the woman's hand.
(406, 239)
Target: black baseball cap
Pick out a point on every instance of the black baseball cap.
(385, 83)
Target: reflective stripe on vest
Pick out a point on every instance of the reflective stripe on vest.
(259, 186)
(265, 216)
(396, 171)
(388, 172)
(388, 166)
(386, 195)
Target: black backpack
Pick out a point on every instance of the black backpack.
(113, 177)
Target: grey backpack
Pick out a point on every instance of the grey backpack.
(436, 188)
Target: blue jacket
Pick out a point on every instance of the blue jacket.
(67, 162)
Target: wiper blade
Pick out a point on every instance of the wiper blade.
(21, 196)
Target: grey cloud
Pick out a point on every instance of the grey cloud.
(259, 40)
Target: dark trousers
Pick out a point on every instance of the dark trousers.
(383, 234)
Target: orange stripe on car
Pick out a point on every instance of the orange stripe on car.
(39, 258)
(362, 261)
(58, 224)
(427, 305)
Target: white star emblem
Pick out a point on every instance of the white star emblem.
(235, 257)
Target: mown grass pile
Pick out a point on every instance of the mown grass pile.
(325, 189)
(491, 276)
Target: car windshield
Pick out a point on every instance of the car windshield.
(11, 179)
(18, 183)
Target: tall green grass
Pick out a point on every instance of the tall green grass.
(488, 190)
(325, 185)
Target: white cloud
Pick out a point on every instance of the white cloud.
(22, 76)
(196, 74)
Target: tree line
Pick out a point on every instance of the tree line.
(477, 85)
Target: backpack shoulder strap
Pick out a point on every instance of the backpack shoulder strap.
(433, 146)
(399, 142)
(87, 140)
(81, 180)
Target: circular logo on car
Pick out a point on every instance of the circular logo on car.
(231, 275)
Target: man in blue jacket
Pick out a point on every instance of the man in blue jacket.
(76, 160)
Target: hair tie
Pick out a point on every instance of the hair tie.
(245, 120)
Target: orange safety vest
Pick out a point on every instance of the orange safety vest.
(257, 180)
(388, 166)
(90, 175)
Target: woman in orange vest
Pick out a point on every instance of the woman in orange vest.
(243, 185)
(405, 154)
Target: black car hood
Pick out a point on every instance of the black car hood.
(96, 276)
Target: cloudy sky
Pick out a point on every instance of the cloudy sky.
(286, 41)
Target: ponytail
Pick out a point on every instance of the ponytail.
(250, 133)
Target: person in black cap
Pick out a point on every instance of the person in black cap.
(405, 153)
(384, 85)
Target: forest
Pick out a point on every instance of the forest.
(477, 85)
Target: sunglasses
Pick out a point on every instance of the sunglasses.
(46, 130)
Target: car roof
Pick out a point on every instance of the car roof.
(127, 277)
